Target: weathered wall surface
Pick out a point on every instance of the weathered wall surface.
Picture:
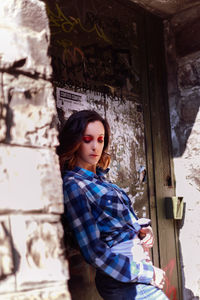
(183, 57)
(95, 52)
(31, 258)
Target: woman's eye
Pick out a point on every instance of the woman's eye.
(87, 139)
(100, 139)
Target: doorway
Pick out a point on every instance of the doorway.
(108, 56)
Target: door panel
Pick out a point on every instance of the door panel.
(158, 115)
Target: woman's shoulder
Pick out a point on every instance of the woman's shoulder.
(70, 175)
(77, 176)
(77, 183)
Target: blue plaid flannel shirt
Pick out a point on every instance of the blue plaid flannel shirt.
(100, 215)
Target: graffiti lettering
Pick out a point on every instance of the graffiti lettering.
(98, 64)
(70, 53)
(91, 59)
(61, 23)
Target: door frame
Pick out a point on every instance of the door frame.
(161, 182)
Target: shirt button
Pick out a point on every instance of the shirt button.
(109, 201)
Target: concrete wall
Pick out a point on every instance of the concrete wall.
(31, 255)
(183, 59)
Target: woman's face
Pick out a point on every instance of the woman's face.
(90, 150)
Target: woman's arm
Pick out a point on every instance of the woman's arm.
(94, 250)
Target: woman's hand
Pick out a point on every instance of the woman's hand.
(146, 236)
(158, 278)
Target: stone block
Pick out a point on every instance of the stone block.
(38, 240)
(6, 259)
(7, 265)
(25, 35)
(56, 292)
(28, 112)
(187, 76)
(196, 65)
(3, 126)
(30, 180)
(189, 107)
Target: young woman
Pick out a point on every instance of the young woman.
(109, 234)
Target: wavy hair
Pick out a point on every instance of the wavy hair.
(70, 139)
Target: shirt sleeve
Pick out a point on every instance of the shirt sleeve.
(95, 251)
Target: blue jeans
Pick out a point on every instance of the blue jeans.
(111, 289)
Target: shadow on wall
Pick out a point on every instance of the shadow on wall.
(186, 110)
(184, 76)
(82, 275)
(184, 88)
(189, 295)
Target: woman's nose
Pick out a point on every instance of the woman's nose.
(94, 145)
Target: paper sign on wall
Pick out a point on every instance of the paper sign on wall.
(70, 100)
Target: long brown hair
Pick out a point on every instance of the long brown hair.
(71, 135)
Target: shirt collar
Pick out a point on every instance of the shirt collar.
(89, 174)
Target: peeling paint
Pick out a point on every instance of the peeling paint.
(127, 142)
(109, 75)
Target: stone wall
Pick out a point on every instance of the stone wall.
(183, 59)
(32, 265)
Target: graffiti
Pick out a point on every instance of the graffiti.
(61, 23)
(97, 64)
(82, 52)
(170, 290)
(70, 53)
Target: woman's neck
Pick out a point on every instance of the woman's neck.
(91, 168)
